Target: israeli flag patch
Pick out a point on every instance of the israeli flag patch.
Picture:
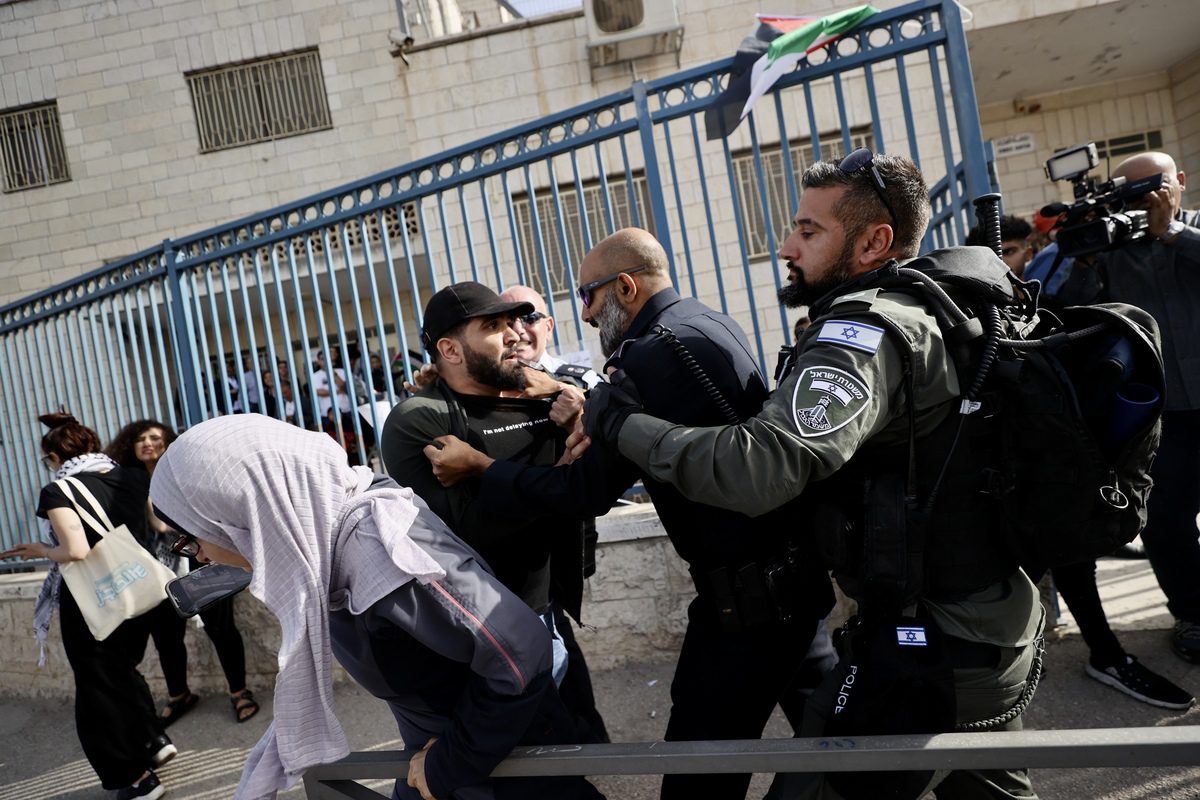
(857, 335)
(911, 637)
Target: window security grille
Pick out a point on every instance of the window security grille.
(391, 220)
(778, 197)
(31, 147)
(562, 266)
(259, 101)
(1129, 145)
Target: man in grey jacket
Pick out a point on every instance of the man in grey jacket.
(1161, 274)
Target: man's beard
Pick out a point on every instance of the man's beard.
(613, 320)
(500, 375)
(802, 293)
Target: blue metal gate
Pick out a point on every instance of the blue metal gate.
(185, 331)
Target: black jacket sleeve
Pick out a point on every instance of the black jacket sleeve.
(587, 488)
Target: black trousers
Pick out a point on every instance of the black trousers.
(114, 712)
(576, 690)
(222, 631)
(168, 630)
(1077, 585)
(725, 687)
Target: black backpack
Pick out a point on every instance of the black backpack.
(1070, 402)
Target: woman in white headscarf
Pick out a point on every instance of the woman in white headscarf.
(354, 565)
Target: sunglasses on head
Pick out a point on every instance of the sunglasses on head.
(863, 159)
(186, 545)
(532, 318)
(585, 291)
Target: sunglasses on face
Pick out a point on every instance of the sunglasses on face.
(532, 318)
(186, 545)
(585, 291)
(863, 159)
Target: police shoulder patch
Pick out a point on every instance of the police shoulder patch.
(827, 398)
(855, 335)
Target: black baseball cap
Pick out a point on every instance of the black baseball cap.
(460, 302)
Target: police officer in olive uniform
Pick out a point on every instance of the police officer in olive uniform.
(870, 355)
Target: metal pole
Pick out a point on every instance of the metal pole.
(185, 337)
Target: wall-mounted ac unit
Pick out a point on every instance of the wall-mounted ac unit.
(622, 30)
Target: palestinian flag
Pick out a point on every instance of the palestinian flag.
(771, 52)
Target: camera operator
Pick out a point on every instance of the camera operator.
(1161, 274)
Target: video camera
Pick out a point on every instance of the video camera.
(1100, 218)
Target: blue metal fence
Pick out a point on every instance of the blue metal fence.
(189, 329)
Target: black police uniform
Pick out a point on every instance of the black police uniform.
(759, 602)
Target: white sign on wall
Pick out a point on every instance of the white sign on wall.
(1013, 145)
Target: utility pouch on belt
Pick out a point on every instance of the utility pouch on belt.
(753, 596)
(876, 553)
(887, 550)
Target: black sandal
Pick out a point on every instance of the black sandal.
(242, 702)
(176, 708)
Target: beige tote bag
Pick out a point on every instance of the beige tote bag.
(118, 579)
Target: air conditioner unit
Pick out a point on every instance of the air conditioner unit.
(622, 30)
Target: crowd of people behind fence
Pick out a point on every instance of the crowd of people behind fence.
(452, 587)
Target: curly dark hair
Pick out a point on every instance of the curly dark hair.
(67, 437)
(121, 448)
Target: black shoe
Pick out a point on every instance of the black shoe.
(160, 751)
(1141, 684)
(1185, 640)
(148, 788)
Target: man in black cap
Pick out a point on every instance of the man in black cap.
(484, 396)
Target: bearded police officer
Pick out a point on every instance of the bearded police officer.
(840, 425)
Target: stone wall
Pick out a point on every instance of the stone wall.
(1185, 90)
(137, 174)
(1077, 116)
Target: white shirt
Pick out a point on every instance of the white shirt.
(320, 380)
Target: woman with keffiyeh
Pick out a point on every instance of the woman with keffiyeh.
(114, 713)
(354, 565)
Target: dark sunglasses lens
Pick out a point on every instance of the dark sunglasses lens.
(532, 318)
(585, 297)
(856, 160)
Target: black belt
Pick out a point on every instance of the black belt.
(964, 654)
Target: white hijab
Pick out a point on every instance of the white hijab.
(285, 499)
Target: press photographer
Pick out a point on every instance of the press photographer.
(1157, 268)
(1104, 216)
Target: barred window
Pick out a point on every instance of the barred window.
(561, 265)
(778, 197)
(1129, 145)
(271, 98)
(31, 147)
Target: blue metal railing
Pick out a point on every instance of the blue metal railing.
(189, 329)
